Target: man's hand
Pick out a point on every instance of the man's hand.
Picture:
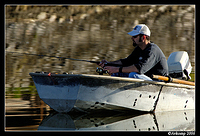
(111, 69)
(102, 63)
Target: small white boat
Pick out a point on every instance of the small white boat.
(62, 92)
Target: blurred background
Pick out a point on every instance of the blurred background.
(90, 32)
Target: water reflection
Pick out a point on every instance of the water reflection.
(20, 115)
(24, 110)
(164, 121)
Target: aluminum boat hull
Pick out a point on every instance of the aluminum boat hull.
(62, 92)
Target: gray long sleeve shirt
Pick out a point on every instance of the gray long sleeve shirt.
(149, 61)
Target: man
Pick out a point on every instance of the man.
(145, 60)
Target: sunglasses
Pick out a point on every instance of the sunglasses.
(135, 36)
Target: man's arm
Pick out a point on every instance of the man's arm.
(118, 62)
(128, 69)
(102, 63)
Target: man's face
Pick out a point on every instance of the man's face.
(135, 40)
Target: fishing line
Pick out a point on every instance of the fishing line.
(97, 62)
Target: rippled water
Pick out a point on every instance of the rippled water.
(90, 33)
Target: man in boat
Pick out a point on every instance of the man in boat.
(146, 59)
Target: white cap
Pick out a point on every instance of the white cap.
(140, 29)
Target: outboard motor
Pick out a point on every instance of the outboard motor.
(179, 65)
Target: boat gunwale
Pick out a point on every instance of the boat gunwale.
(115, 78)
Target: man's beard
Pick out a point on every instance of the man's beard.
(134, 44)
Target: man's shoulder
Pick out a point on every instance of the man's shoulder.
(154, 47)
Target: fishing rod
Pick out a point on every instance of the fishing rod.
(96, 62)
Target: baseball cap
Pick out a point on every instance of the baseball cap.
(140, 29)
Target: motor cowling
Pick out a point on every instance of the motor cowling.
(179, 65)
